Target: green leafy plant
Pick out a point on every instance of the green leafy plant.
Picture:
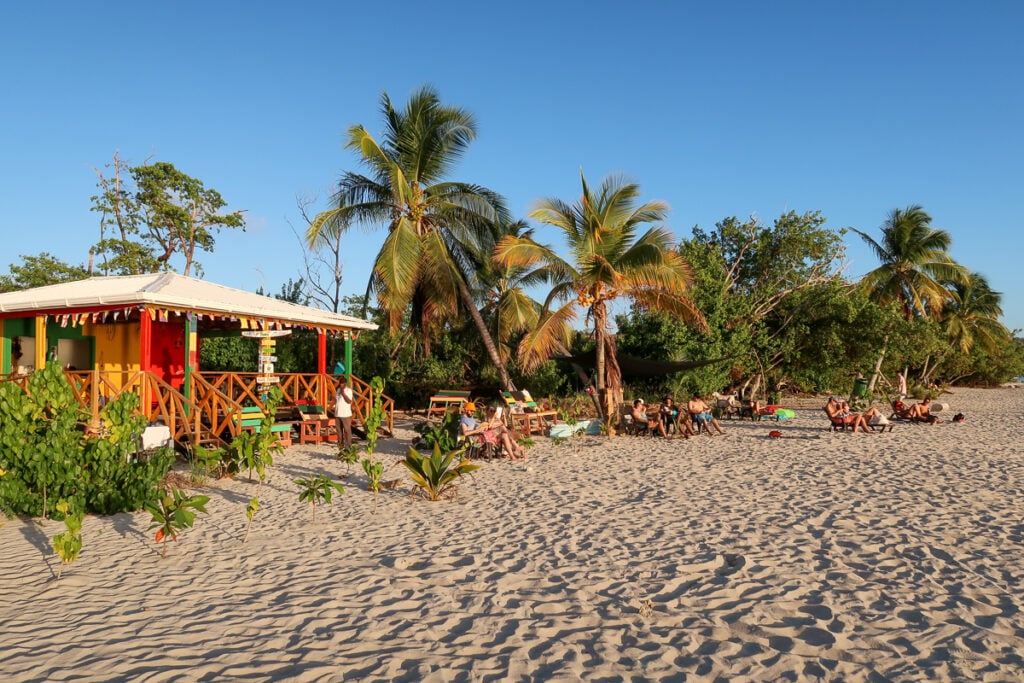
(204, 463)
(376, 414)
(48, 457)
(68, 544)
(374, 471)
(172, 512)
(349, 456)
(435, 477)
(250, 512)
(444, 435)
(256, 448)
(318, 490)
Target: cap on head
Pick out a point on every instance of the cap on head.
(469, 407)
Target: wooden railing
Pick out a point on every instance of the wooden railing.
(215, 401)
(165, 403)
(243, 388)
(223, 413)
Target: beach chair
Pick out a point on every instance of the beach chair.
(836, 424)
(525, 415)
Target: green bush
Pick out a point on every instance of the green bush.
(47, 456)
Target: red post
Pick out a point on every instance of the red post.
(145, 358)
(321, 366)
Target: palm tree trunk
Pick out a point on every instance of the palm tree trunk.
(878, 365)
(598, 312)
(485, 335)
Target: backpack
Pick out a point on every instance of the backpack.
(959, 417)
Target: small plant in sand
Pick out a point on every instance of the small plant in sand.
(435, 477)
(318, 490)
(374, 471)
(349, 456)
(445, 435)
(68, 544)
(376, 414)
(250, 512)
(204, 463)
(172, 512)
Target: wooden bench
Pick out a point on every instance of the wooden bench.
(252, 420)
(444, 400)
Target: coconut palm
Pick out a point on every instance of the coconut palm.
(508, 308)
(973, 315)
(434, 225)
(914, 263)
(608, 261)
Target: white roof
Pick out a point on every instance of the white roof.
(170, 290)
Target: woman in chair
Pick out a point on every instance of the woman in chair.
(492, 431)
(839, 411)
(640, 416)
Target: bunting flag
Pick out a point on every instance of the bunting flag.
(95, 317)
(152, 313)
(63, 321)
(83, 319)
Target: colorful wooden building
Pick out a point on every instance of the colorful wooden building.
(143, 333)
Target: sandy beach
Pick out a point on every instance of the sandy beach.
(816, 556)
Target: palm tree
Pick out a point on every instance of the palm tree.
(914, 263)
(434, 224)
(972, 316)
(608, 261)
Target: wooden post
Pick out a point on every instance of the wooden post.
(348, 357)
(145, 357)
(321, 366)
(40, 359)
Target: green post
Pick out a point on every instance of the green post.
(348, 357)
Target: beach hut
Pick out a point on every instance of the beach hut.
(142, 333)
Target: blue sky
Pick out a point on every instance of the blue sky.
(720, 109)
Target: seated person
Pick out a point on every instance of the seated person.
(491, 431)
(701, 414)
(839, 411)
(640, 416)
(670, 417)
(921, 412)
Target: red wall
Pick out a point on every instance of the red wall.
(167, 359)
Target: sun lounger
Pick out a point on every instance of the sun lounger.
(524, 413)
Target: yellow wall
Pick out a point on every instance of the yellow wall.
(117, 346)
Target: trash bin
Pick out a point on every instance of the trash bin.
(860, 388)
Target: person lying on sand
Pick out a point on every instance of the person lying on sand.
(701, 414)
(653, 422)
(492, 431)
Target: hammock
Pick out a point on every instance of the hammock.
(640, 367)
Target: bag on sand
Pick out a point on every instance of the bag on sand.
(959, 417)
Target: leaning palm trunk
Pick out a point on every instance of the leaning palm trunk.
(612, 383)
(878, 365)
(485, 335)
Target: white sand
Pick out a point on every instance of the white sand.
(815, 556)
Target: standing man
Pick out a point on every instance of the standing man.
(343, 412)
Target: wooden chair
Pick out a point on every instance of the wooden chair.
(314, 425)
(524, 413)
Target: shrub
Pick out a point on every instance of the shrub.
(47, 457)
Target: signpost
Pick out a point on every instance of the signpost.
(266, 357)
